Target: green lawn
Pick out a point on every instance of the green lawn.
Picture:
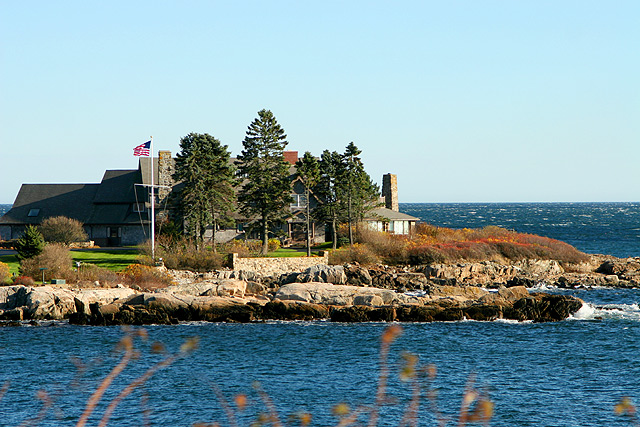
(114, 259)
(12, 262)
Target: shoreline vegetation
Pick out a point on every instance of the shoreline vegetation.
(436, 274)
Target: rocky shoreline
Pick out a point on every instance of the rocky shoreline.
(482, 291)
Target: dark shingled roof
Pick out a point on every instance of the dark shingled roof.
(117, 186)
(110, 202)
(70, 200)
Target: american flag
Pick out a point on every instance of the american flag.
(143, 149)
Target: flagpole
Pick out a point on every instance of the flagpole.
(153, 209)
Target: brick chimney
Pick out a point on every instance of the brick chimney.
(291, 157)
(390, 191)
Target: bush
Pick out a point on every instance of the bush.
(92, 273)
(183, 254)
(4, 273)
(360, 253)
(30, 244)
(55, 258)
(60, 229)
(391, 249)
(145, 277)
(24, 281)
(273, 245)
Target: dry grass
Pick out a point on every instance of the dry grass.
(55, 258)
(183, 254)
(145, 277)
(430, 244)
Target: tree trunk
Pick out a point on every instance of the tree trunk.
(350, 229)
(213, 232)
(265, 237)
(308, 225)
(334, 232)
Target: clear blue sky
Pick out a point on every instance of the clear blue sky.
(467, 101)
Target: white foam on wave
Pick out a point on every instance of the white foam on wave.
(590, 311)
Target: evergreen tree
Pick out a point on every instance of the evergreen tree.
(329, 190)
(362, 193)
(30, 244)
(207, 196)
(307, 170)
(266, 191)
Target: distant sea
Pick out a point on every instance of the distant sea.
(4, 209)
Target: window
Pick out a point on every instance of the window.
(298, 201)
(33, 212)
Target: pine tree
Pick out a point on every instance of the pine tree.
(207, 196)
(30, 244)
(329, 190)
(266, 191)
(361, 192)
(307, 170)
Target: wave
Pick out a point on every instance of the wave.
(590, 311)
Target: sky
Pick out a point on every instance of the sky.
(466, 101)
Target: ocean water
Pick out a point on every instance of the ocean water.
(568, 373)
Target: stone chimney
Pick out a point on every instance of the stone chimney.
(291, 157)
(390, 191)
(166, 167)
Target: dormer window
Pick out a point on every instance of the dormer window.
(138, 207)
(33, 212)
(298, 201)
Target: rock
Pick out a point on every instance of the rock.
(84, 297)
(464, 293)
(291, 310)
(12, 296)
(543, 308)
(368, 300)
(357, 276)
(363, 314)
(325, 293)
(255, 288)
(231, 288)
(513, 293)
(49, 303)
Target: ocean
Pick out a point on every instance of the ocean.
(569, 373)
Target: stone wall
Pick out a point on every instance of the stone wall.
(277, 266)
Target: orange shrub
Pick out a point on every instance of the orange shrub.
(145, 277)
(4, 273)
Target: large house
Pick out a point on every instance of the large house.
(116, 211)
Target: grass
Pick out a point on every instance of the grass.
(12, 262)
(112, 259)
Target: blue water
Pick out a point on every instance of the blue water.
(604, 228)
(569, 373)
